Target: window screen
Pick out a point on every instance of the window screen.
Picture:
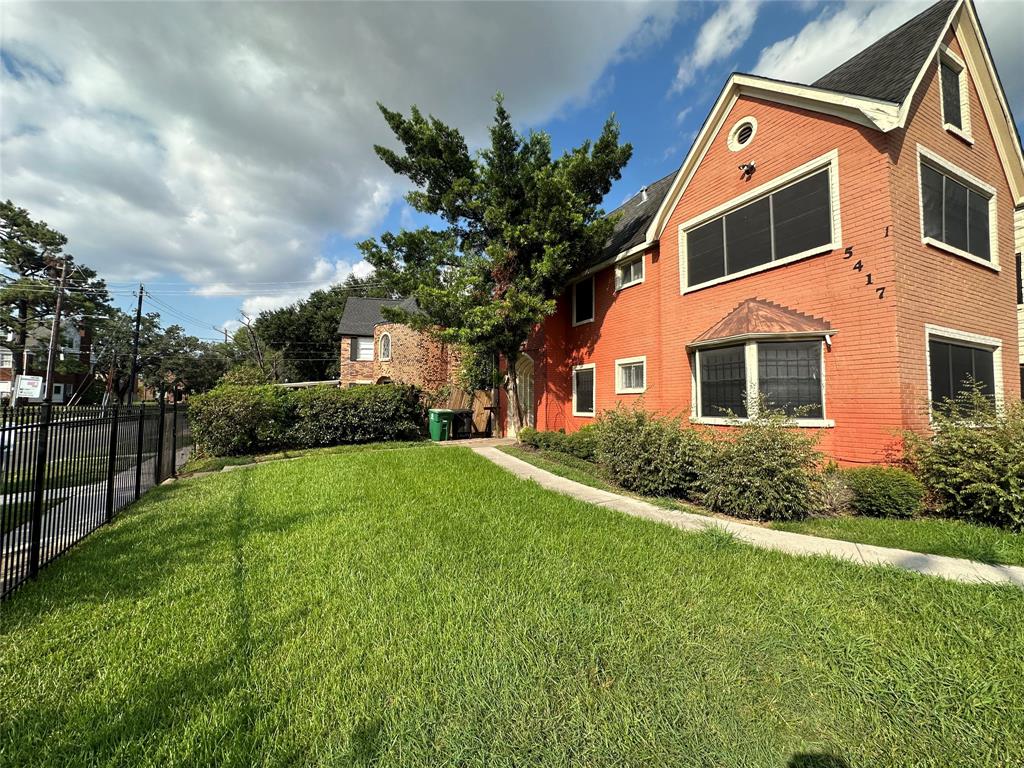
(631, 376)
(954, 365)
(583, 300)
(951, 95)
(723, 381)
(789, 377)
(955, 214)
(793, 220)
(583, 386)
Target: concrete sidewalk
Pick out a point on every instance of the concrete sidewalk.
(792, 543)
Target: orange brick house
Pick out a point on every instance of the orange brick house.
(844, 250)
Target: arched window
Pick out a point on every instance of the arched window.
(385, 346)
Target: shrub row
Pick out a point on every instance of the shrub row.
(231, 419)
(582, 444)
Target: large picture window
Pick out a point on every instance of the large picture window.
(788, 222)
(583, 301)
(583, 390)
(786, 376)
(955, 214)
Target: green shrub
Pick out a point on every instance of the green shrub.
(973, 463)
(651, 455)
(329, 416)
(884, 492)
(582, 444)
(834, 497)
(764, 470)
(234, 419)
(529, 436)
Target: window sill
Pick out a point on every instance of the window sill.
(724, 421)
(577, 324)
(631, 391)
(952, 249)
(763, 267)
(960, 134)
(579, 415)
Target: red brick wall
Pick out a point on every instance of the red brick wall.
(653, 319)
(352, 371)
(416, 357)
(935, 286)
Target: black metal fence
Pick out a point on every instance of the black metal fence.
(66, 470)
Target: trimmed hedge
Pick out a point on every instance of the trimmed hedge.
(884, 492)
(232, 420)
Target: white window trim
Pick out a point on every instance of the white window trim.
(380, 345)
(621, 390)
(949, 169)
(946, 56)
(355, 342)
(941, 333)
(733, 139)
(829, 160)
(587, 366)
(753, 400)
(593, 300)
(619, 284)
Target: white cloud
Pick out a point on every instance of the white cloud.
(836, 35)
(683, 114)
(225, 142)
(720, 36)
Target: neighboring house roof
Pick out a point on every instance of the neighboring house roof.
(362, 314)
(888, 68)
(760, 317)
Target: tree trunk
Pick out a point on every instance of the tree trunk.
(515, 406)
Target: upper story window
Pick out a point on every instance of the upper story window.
(583, 301)
(786, 220)
(7, 357)
(362, 348)
(629, 273)
(957, 210)
(784, 375)
(584, 395)
(953, 90)
(385, 346)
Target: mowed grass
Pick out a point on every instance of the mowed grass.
(420, 607)
(934, 536)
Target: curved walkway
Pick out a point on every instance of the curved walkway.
(793, 543)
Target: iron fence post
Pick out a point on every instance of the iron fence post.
(38, 489)
(174, 439)
(112, 464)
(138, 451)
(160, 440)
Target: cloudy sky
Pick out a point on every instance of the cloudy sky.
(222, 152)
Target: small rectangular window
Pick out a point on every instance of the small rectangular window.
(583, 301)
(631, 375)
(583, 391)
(723, 381)
(954, 365)
(362, 348)
(789, 377)
(1020, 282)
(629, 273)
(952, 113)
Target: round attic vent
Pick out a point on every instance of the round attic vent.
(742, 133)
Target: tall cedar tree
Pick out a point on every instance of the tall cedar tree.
(30, 254)
(518, 225)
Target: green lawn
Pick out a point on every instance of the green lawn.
(931, 535)
(420, 607)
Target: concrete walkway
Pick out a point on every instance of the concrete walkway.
(792, 543)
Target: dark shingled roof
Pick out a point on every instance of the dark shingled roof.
(634, 217)
(886, 69)
(361, 315)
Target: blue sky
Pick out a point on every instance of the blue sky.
(222, 153)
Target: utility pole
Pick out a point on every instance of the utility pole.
(54, 333)
(135, 345)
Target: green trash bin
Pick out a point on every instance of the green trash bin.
(440, 422)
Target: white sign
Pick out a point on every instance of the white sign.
(29, 386)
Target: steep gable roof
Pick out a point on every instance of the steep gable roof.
(362, 314)
(634, 217)
(760, 317)
(888, 68)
